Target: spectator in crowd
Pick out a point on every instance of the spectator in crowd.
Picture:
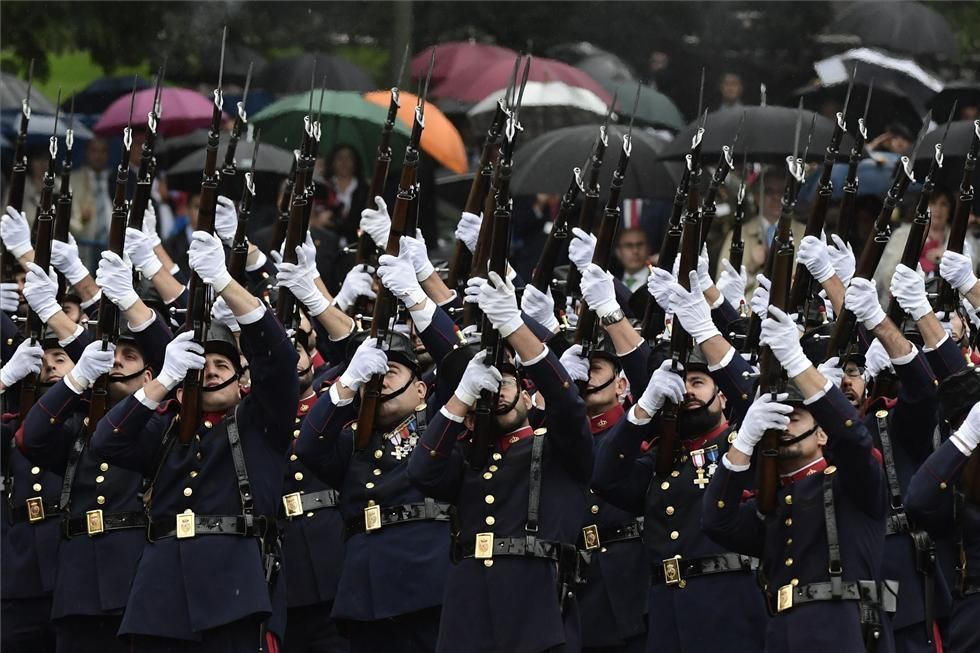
(345, 172)
(633, 253)
(730, 89)
(92, 187)
(179, 241)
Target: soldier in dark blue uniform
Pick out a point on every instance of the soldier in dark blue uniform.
(821, 548)
(517, 516)
(937, 500)
(203, 582)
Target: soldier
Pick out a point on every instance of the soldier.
(203, 582)
(519, 513)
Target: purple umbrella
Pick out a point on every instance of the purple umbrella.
(182, 111)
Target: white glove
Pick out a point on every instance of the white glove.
(419, 255)
(691, 308)
(815, 255)
(356, 284)
(760, 297)
(967, 436)
(471, 293)
(15, 233)
(598, 291)
(181, 356)
(65, 259)
(957, 270)
(221, 313)
(909, 290)
(575, 363)
(581, 248)
(25, 360)
(92, 364)
(765, 413)
(139, 248)
(832, 370)
(225, 220)
(376, 223)
(779, 332)
(862, 299)
(498, 302)
(658, 285)
(665, 385)
(842, 258)
(468, 229)
(309, 251)
(207, 258)
(540, 306)
(295, 278)
(40, 291)
(115, 277)
(397, 274)
(876, 361)
(731, 284)
(368, 360)
(477, 377)
(9, 297)
(150, 225)
(704, 275)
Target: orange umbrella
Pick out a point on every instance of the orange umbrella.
(440, 140)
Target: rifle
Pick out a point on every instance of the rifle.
(544, 271)
(737, 249)
(726, 163)
(18, 176)
(229, 170)
(385, 305)
(107, 328)
(238, 256)
(62, 213)
(282, 220)
(198, 304)
(147, 169)
(44, 224)
(845, 220)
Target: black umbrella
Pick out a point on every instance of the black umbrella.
(97, 96)
(964, 93)
(954, 153)
(274, 163)
(293, 74)
(237, 59)
(601, 65)
(908, 27)
(13, 90)
(888, 105)
(767, 135)
(544, 165)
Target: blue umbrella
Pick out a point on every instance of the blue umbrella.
(874, 173)
(97, 96)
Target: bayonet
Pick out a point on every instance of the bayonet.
(221, 62)
(701, 93)
(942, 142)
(401, 68)
(520, 95)
(26, 104)
(53, 141)
(842, 116)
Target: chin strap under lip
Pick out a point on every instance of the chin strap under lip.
(798, 438)
(222, 385)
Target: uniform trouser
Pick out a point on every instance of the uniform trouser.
(309, 629)
(90, 634)
(415, 632)
(237, 637)
(26, 626)
(912, 639)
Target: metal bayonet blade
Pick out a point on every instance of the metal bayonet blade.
(850, 87)
(57, 113)
(132, 102)
(799, 129)
(323, 90)
(520, 94)
(809, 137)
(867, 100)
(509, 94)
(221, 61)
(611, 110)
(701, 94)
(428, 77)
(248, 82)
(636, 103)
(401, 68)
(312, 88)
(922, 134)
(70, 132)
(30, 84)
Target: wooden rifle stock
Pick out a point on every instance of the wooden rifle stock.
(544, 271)
(285, 201)
(948, 298)
(737, 249)
(710, 207)
(846, 221)
(18, 180)
(590, 206)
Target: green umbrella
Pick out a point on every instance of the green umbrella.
(654, 109)
(347, 119)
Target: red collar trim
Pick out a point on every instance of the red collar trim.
(815, 467)
(699, 442)
(214, 418)
(504, 442)
(606, 420)
(317, 360)
(305, 405)
(886, 402)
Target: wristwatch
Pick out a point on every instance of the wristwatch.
(613, 317)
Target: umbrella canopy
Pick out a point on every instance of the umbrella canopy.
(98, 95)
(888, 105)
(186, 173)
(181, 111)
(875, 174)
(39, 129)
(767, 134)
(440, 140)
(546, 106)
(454, 61)
(293, 74)
(954, 150)
(964, 93)
(13, 90)
(237, 59)
(545, 164)
(654, 109)
(601, 65)
(909, 27)
(347, 119)
(904, 75)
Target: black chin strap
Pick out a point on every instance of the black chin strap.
(801, 436)
(592, 390)
(509, 407)
(220, 386)
(398, 392)
(123, 378)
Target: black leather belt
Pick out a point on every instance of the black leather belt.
(897, 523)
(518, 547)
(376, 517)
(34, 511)
(96, 522)
(867, 591)
(588, 540)
(189, 525)
(297, 504)
(676, 571)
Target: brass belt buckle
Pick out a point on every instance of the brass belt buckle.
(483, 549)
(293, 504)
(672, 572)
(93, 522)
(590, 535)
(186, 527)
(784, 598)
(372, 518)
(35, 509)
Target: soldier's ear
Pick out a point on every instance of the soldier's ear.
(821, 437)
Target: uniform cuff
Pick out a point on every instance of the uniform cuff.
(732, 466)
(820, 395)
(252, 316)
(96, 297)
(143, 326)
(633, 419)
(448, 415)
(725, 360)
(537, 359)
(423, 316)
(334, 393)
(907, 358)
(146, 401)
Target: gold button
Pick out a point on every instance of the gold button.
(789, 521)
(488, 498)
(565, 384)
(493, 468)
(789, 562)
(669, 510)
(100, 500)
(794, 582)
(99, 478)
(830, 470)
(788, 499)
(371, 503)
(188, 491)
(296, 433)
(789, 541)
(603, 549)
(54, 421)
(298, 476)
(208, 424)
(113, 430)
(744, 396)
(622, 456)
(296, 420)
(488, 563)
(293, 457)
(193, 474)
(721, 504)
(369, 485)
(664, 485)
(376, 472)
(199, 455)
(497, 456)
(942, 485)
(881, 414)
(675, 473)
(490, 520)
(487, 476)
(37, 487)
(10, 341)
(35, 470)
(595, 509)
(378, 453)
(849, 423)
(674, 535)
(104, 467)
(309, 514)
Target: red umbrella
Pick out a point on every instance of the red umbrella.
(182, 111)
(457, 60)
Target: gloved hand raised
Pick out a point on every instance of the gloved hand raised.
(815, 255)
(832, 370)
(468, 229)
(581, 248)
(419, 254)
(665, 385)
(760, 297)
(575, 363)
(658, 285)
(115, 278)
(376, 222)
(876, 361)
(540, 307)
(367, 361)
(139, 248)
(207, 258)
(862, 299)
(65, 259)
(967, 436)
(397, 274)
(957, 270)
(731, 284)
(842, 258)
(704, 274)
(356, 284)
(9, 297)
(598, 291)
(765, 413)
(92, 364)
(225, 220)
(15, 232)
(691, 308)
(182, 355)
(909, 290)
(221, 313)
(779, 332)
(40, 291)
(498, 301)
(25, 360)
(296, 278)
(477, 377)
